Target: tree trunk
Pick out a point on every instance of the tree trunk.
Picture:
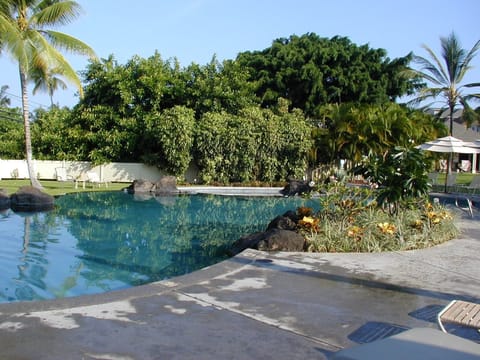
(26, 124)
(451, 108)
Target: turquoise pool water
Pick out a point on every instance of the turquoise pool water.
(96, 242)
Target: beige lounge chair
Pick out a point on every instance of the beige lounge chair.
(460, 313)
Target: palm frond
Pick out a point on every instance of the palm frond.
(472, 85)
(453, 56)
(55, 14)
(465, 66)
(14, 44)
(66, 42)
(50, 58)
(437, 65)
(5, 7)
(428, 71)
(472, 96)
(469, 115)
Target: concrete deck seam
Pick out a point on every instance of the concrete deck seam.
(330, 346)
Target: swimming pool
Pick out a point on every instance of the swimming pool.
(101, 241)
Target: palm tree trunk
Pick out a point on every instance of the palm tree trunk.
(451, 107)
(450, 157)
(26, 124)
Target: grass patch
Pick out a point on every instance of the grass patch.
(463, 178)
(56, 188)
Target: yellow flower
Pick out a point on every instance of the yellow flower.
(309, 222)
(418, 224)
(354, 231)
(387, 228)
(445, 215)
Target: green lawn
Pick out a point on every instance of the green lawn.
(54, 188)
(462, 178)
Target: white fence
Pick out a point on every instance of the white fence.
(112, 172)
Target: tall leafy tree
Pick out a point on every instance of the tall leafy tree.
(11, 133)
(218, 86)
(26, 37)
(444, 76)
(311, 71)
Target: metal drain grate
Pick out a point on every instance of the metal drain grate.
(373, 331)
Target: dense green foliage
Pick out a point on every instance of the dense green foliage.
(11, 133)
(311, 71)
(352, 131)
(151, 111)
(264, 116)
(256, 144)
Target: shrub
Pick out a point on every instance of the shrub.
(351, 221)
(401, 176)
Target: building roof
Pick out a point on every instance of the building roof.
(460, 131)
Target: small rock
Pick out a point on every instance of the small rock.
(271, 240)
(140, 186)
(167, 185)
(282, 240)
(296, 187)
(283, 223)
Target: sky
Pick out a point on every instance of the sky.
(196, 30)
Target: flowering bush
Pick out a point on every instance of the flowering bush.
(349, 221)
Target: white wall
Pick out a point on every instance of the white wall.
(113, 172)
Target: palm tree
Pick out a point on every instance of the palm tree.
(25, 36)
(4, 99)
(48, 82)
(446, 77)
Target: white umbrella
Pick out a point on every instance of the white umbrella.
(474, 145)
(449, 144)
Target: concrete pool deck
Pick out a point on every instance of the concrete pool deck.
(254, 306)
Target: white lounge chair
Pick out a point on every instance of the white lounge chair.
(452, 181)
(94, 179)
(474, 185)
(433, 178)
(61, 175)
